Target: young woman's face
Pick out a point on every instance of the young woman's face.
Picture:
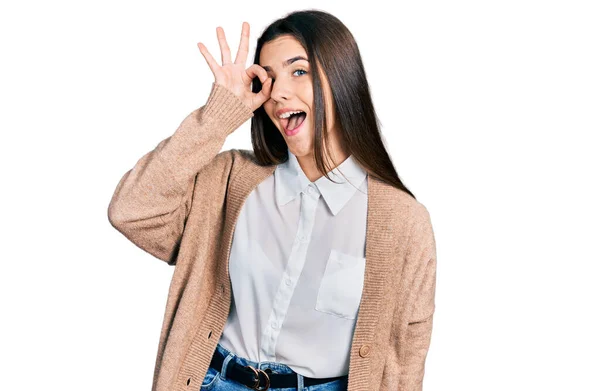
(292, 89)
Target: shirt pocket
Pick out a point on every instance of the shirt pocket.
(342, 284)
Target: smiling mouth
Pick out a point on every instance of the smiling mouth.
(293, 122)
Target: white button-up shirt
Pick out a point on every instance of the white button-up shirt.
(297, 265)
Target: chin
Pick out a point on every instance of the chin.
(300, 150)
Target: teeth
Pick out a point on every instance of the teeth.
(289, 113)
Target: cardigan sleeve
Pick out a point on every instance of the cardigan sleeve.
(152, 200)
(411, 348)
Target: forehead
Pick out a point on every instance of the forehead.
(274, 52)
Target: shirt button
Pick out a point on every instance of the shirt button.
(288, 282)
(274, 325)
(364, 350)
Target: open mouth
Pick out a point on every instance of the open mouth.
(293, 122)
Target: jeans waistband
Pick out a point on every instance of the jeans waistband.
(278, 369)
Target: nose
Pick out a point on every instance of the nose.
(279, 90)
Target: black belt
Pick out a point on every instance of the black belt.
(251, 377)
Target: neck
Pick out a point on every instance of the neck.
(309, 167)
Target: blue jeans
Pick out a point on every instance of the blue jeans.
(217, 381)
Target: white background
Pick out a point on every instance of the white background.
(490, 111)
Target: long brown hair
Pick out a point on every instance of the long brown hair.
(331, 46)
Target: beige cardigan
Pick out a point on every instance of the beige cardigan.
(180, 203)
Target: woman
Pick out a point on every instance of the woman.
(304, 264)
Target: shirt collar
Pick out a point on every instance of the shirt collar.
(290, 181)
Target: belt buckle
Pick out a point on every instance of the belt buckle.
(257, 372)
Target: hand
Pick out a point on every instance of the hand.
(233, 76)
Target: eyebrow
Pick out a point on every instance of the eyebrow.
(287, 62)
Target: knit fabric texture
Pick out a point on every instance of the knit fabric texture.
(180, 203)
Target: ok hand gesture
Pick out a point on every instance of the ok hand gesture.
(233, 76)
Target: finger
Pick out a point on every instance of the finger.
(265, 93)
(242, 54)
(214, 66)
(225, 52)
(256, 70)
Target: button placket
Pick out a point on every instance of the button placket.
(295, 266)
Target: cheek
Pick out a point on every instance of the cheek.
(268, 105)
(307, 95)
